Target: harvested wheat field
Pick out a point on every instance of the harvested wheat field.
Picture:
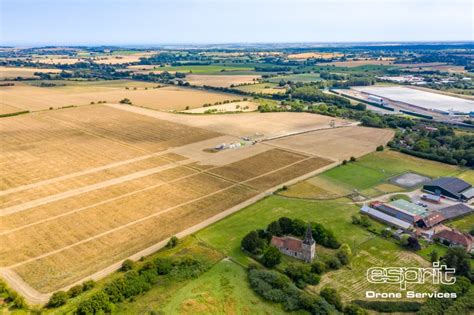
(47, 145)
(84, 188)
(66, 93)
(220, 80)
(6, 109)
(315, 55)
(121, 58)
(243, 106)
(266, 125)
(339, 143)
(358, 63)
(8, 73)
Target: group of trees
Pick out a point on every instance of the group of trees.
(11, 298)
(276, 287)
(442, 145)
(256, 242)
(135, 281)
(462, 304)
(60, 298)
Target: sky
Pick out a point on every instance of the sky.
(154, 22)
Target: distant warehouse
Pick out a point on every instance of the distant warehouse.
(451, 187)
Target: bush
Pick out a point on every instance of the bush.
(365, 221)
(274, 228)
(125, 101)
(333, 263)
(390, 306)
(332, 297)
(352, 159)
(75, 291)
(96, 304)
(253, 243)
(127, 265)
(163, 266)
(301, 275)
(87, 285)
(324, 236)
(10, 296)
(387, 233)
(318, 267)
(353, 309)
(172, 242)
(344, 254)
(57, 299)
(413, 244)
(380, 148)
(271, 257)
(355, 219)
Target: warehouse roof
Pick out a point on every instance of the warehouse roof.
(385, 217)
(469, 193)
(408, 206)
(453, 185)
(455, 211)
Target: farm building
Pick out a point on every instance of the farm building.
(456, 211)
(450, 187)
(431, 198)
(402, 210)
(301, 249)
(385, 218)
(430, 220)
(455, 238)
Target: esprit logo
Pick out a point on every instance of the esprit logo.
(438, 274)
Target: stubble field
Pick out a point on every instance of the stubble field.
(220, 80)
(8, 73)
(29, 96)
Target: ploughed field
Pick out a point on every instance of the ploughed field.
(84, 188)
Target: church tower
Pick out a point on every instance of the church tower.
(309, 245)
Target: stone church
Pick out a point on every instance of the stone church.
(301, 249)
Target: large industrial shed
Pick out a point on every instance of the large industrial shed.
(385, 218)
(450, 187)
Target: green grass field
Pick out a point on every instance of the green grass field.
(370, 174)
(303, 77)
(264, 88)
(464, 224)
(226, 235)
(222, 290)
(351, 281)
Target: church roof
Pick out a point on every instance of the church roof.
(288, 242)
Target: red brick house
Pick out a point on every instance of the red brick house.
(455, 238)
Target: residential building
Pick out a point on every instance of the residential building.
(455, 238)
